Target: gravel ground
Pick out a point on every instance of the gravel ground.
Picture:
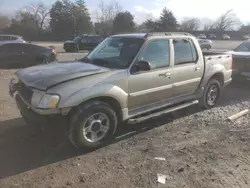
(201, 149)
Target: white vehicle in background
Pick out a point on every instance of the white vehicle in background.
(202, 36)
(205, 44)
(226, 37)
(11, 39)
(246, 37)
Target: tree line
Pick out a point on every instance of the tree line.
(66, 19)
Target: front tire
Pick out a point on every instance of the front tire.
(211, 94)
(92, 125)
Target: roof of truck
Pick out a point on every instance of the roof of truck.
(136, 35)
(145, 35)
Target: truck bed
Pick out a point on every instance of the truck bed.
(212, 58)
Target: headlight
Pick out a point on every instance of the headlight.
(49, 101)
(42, 100)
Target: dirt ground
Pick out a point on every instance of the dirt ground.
(201, 150)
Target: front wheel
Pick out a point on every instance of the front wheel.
(92, 125)
(211, 94)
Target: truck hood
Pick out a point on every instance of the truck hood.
(44, 77)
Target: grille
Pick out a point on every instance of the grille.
(25, 92)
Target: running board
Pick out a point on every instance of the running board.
(160, 113)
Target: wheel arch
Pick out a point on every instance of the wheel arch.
(114, 104)
(218, 76)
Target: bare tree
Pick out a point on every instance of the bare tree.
(207, 24)
(40, 12)
(190, 24)
(107, 12)
(227, 21)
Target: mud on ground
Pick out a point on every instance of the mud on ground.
(201, 150)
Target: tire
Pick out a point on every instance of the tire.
(206, 101)
(44, 60)
(82, 119)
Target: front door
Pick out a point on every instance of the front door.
(153, 86)
(188, 69)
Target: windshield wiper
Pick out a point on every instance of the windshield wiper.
(85, 60)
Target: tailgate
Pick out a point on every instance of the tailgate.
(241, 64)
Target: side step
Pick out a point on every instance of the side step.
(160, 113)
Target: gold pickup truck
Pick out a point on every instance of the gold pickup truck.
(126, 78)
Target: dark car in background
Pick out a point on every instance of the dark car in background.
(21, 55)
(205, 43)
(241, 61)
(211, 36)
(82, 42)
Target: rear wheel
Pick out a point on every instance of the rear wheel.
(44, 60)
(92, 125)
(211, 94)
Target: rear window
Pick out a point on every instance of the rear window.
(244, 47)
(185, 51)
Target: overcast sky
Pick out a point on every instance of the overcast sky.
(141, 8)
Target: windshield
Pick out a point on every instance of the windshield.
(115, 52)
(244, 47)
(76, 39)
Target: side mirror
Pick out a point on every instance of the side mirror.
(142, 66)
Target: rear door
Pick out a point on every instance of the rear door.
(188, 67)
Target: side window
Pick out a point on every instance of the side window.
(184, 51)
(157, 53)
(5, 38)
(84, 40)
(13, 38)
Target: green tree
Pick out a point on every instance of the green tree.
(24, 24)
(150, 24)
(69, 19)
(123, 22)
(82, 18)
(167, 22)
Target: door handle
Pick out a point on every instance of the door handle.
(197, 68)
(167, 74)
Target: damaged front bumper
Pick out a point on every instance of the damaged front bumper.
(30, 113)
